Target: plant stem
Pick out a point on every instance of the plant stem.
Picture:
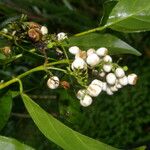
(91, 30)
(39, 68)
(5, 35)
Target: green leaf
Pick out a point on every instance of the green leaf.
(5, 109)
(140, 148)
(96, 40)
(2, 56)
(69, 106)
(130, 16)
(12, 144)
(107, 6)
(60, 134)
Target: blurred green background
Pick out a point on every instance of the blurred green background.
(121, 120)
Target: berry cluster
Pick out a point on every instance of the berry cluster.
(110, 77)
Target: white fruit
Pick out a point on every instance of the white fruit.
(44, 30)
(94, 90)
(113, 88)
(108, 91)
(81, 93)
(102, 74)
(61, 36)
(53, 82)
(123, 81)
(74, 50)
(119, 72)
(104, 87)
(107, 58)
(5, 30)
(132, 79)
(90, 51)
(97, 82)
(102, 51)
(93, 60)
(111, 78)
(86, 101)
(117, 84)
(78, 63)
(107, 67)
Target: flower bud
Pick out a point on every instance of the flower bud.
(78, 63)
(74, 50)
(119, 72)
(44, 30)
(81, 93)
(102, 51)
(90, 51)
(108, 91)
(118, 85)
(86, 101)
(113, 88)
(61, 36)
(53, 82)
(102, 74)
(123, 81)
(97, 82)
(111, 78)
(94, 90)
(104, 87)
(5, 30)
(107, 67)
(107, 58)
(93, 60)
(132, 79)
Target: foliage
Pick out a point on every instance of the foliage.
(121, 120)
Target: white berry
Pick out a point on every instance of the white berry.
(53, 82)
(94, 90)
(74, 50)
(108, 91)
(97, 82)
(102, 51)
(61, 36)
(102, 74)
(90, 51)
(107, 67)
(119, 72)
(111, 78)
(93, 60)
(81, 93)
(86, 101)
(5, 30)
(44, 30)
(132, 79)
(118, 85)
(123, 81)
(107, 58)
(104, 87)
(113, 88)
(78, 63)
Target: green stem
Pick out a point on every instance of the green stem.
(39, 68)
(5, 35)
(91, 30)
(20, 86)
